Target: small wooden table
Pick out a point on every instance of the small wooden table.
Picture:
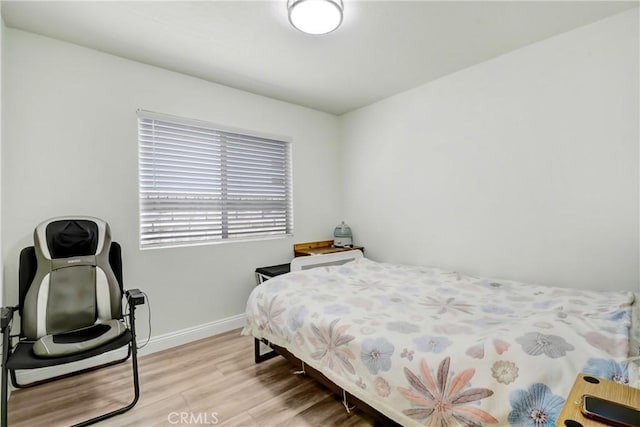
(320, 248)
(571, 416)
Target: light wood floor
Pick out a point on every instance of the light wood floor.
(213, 375)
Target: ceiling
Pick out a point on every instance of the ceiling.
(382, 47)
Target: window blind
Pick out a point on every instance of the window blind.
(198, 183)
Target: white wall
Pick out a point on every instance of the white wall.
(523, 167)
(70, 147)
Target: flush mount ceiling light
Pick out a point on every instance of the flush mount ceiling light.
(315, 16)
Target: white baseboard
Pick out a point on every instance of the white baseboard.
(184, 336)
(157, 343)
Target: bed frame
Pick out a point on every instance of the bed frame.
(313, 261)
(348, 400)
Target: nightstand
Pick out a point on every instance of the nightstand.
(571, 416)
(320, 248)
(263, 274)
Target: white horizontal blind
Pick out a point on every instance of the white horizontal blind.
(200, 184)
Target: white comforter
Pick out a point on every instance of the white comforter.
(427, 346)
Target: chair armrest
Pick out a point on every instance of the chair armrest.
(135, 297)
(6, 316)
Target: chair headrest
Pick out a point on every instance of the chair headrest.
(65, 237)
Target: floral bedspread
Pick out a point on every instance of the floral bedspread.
(434, 347)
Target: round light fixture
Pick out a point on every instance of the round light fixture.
(315, 16)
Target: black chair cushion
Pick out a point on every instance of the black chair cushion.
(79, 340)
(23, 356)
(69, 238)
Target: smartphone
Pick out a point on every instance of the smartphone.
(611, 413)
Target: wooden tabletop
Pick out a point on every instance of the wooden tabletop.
(320, 248)
(604, 389)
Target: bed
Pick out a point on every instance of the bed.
(425, 346)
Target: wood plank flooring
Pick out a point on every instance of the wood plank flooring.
(213, 381)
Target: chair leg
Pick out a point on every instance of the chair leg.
(4, 394)
(5, 356)
(134, 354)
(136, 387)
(136, 381)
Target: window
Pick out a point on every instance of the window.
(199, 183)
